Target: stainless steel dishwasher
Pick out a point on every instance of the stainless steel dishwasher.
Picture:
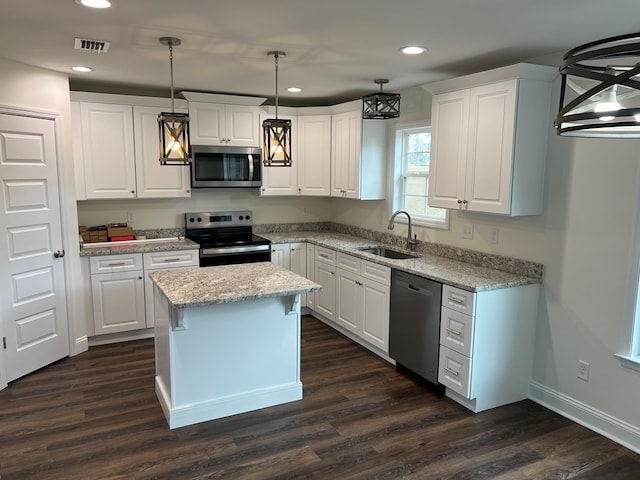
(414, 323)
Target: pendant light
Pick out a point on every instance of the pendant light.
(173, 127)
(277, 133)
(600, 90)
(381, 105)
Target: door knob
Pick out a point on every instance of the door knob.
(58, 254)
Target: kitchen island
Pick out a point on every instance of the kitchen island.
(227, 340)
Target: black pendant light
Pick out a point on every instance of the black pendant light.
(600, 91)
(381, 105)
(277, 133)
(173, 127)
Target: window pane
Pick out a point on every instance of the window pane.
(416, 205)
(415, 186)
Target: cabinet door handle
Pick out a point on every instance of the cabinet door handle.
(170, 260)
(58, 254)
(119, 264)
(455, 333)
(452, 372)
(459, 300)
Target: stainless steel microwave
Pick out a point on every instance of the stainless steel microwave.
(221, 166)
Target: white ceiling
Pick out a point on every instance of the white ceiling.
(335, 49)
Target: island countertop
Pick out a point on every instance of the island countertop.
(196, 287)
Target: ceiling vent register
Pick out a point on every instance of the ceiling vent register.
(88, 45)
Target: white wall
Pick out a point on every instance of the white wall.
(584, 240)
(169, 213)
(26, 87)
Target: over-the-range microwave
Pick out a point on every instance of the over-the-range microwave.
(222, 166)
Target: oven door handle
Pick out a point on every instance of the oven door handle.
(230, 250)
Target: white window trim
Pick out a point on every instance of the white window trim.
(629, 355)
(396, 185)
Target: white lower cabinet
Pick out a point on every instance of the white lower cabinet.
(486, 345)
(292, 256)
(154, 261)
(122, 292)
(118, 293)
(362, 299)
(325, 275)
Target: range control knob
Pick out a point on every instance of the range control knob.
(191, 219)
(240, 217)
(248, 217)
(199, 219)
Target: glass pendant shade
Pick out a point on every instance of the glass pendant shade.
(381, 105)
(174, 138)
(173, 127)
(276, 133)
(600, 90)
(277, 142)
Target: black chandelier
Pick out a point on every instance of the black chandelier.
(381, 105)
(600, 91)
(173, 127)
(276, 133)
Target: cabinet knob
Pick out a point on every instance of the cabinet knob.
(58, 254)
(459, 202)
(464, 202)
(133, 192)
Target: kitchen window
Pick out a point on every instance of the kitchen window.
(411, 177)
(630, 351)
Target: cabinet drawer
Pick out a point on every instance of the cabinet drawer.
(172, 259)
(375, 272)
(116, 263)
(454, 371)
(456, 331)
(458, 299)
(348, 262)
(325, 255)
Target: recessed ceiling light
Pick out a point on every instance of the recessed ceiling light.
(95, 3)
(294, 89)
(413, 50)
(82, 69)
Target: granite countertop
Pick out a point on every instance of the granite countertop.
(197, 287)
(464, 275)
(138, 246)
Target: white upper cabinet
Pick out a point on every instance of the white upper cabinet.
(116, 149)
(224, 124)
(314, 155)
(107, 150)
(358, 150)
(218, 119)
(310, 170)
(489, 141)
(154, 180)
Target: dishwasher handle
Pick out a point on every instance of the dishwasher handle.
(416, 289)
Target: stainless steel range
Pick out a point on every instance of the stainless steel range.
(226, 238)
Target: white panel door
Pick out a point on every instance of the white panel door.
(32, 291)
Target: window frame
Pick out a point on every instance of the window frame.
(629, 354)
(397, 189)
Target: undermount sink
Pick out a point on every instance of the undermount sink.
(386, 252)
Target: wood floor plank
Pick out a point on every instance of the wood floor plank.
(96, 416)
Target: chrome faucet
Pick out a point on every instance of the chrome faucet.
(411, 242)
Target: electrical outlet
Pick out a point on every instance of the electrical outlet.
(467, 231)
(493, 238)
(583, 370)
(131, 217)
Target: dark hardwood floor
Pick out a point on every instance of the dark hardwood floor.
(95, 416)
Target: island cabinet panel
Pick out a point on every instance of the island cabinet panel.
(221, 351)
(486, 345)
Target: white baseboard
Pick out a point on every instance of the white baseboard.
(611, 427)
